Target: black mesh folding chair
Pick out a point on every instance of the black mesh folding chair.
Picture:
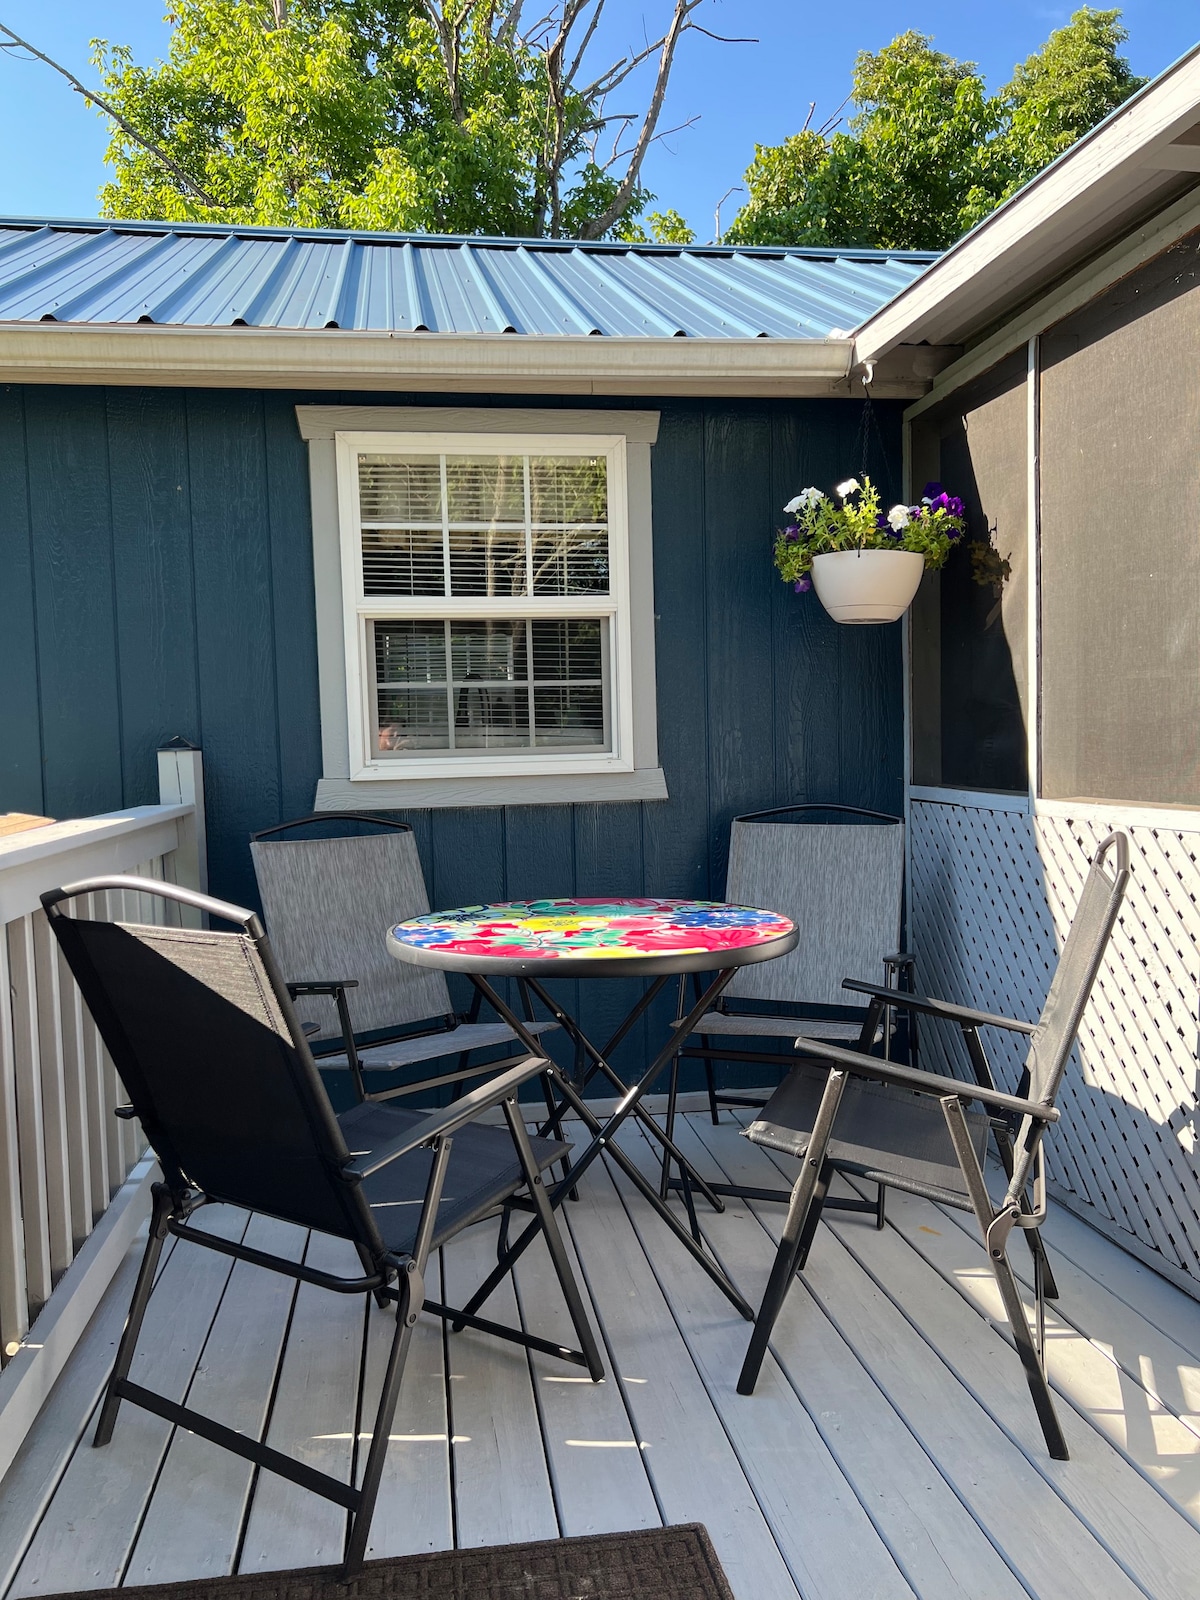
(861, 1115)
(202, 1032)
(325, 900)
(838, 873)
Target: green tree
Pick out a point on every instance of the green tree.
(422, 115)
(928, 151)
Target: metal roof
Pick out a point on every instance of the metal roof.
(210, 276)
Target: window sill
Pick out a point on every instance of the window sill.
(546, 789)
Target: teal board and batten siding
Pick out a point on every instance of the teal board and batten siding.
(155, 547)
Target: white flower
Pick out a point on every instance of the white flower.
(899, 517)
(851, 486)
(806, 498)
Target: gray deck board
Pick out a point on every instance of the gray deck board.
(891, 1449)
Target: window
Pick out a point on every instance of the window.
(487, 614)
(491, 646)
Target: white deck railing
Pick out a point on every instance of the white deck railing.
(63, 1154)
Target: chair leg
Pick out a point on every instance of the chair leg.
(804, 1213)
(881, 1207)
(1033, 1237)
(1031, 1359)
(558, 1251)
(714, 1110)
(1029, 1348)
(137, 1311)
(360, 1526)
(672, 1097)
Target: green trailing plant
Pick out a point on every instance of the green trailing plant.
(852, 518)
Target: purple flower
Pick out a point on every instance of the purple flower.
(882, 523)
(954, 533)
(791, 533)
(954, 506)
(802, 585)
(932, 490)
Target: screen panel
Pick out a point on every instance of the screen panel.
(969, 621)
(1120, 563)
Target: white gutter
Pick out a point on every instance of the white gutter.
(240, 357)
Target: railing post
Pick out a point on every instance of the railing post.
(181, 783)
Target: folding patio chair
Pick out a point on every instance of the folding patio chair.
(327, 902)
(913, 1130)
(838, 873)
(202, 1032)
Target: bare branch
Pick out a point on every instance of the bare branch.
(625, 190)
(179, 173)
(587, 39)
(722, 38)
(665, 134)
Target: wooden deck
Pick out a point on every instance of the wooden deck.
(891, 1450)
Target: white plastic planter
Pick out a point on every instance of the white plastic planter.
(867, 585)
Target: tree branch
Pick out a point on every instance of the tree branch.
(625, 190)
(127, 127)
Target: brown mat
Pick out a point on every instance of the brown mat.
(652, 1564)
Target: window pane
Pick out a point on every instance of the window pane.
(410, 652)
(491, 718)
(486, 489)
(569, 717)
(489, 652)
(403, 561)
(568, 488)
(570, 561)
(400, 488)
(488, 561)
(567, 650)
(412, 722)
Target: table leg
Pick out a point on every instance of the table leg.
(602, 1140)
(601, 1063)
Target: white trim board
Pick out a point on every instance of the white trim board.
(643, 778)
(1129, 253)
(1090, 193)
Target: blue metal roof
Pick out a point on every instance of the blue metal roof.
(210, 276)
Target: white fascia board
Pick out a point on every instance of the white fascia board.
(1052, 223)
(47, 352)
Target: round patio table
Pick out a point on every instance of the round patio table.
(536, 940)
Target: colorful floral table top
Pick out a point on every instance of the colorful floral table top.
(587, 936)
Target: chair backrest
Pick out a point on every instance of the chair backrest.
(203, 1036)
(329, 903)
(841, 881)
(1082, 952)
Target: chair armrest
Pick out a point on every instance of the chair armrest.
(927, 1006)
(902, 958)
(447, 1119)
(329, 986)
(925, 1082)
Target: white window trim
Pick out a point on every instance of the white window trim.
(350, 779)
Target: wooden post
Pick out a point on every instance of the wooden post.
(181, 783)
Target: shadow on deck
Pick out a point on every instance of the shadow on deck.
(890, 1450)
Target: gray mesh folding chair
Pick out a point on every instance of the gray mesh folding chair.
(202, 1032)
(327, 902)
(838, 873)
(860, 1114)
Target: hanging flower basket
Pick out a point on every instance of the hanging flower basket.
(865, 564)
(867, 585)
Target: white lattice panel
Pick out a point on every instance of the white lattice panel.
(992, 895)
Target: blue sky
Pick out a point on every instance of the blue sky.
(53, 144)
